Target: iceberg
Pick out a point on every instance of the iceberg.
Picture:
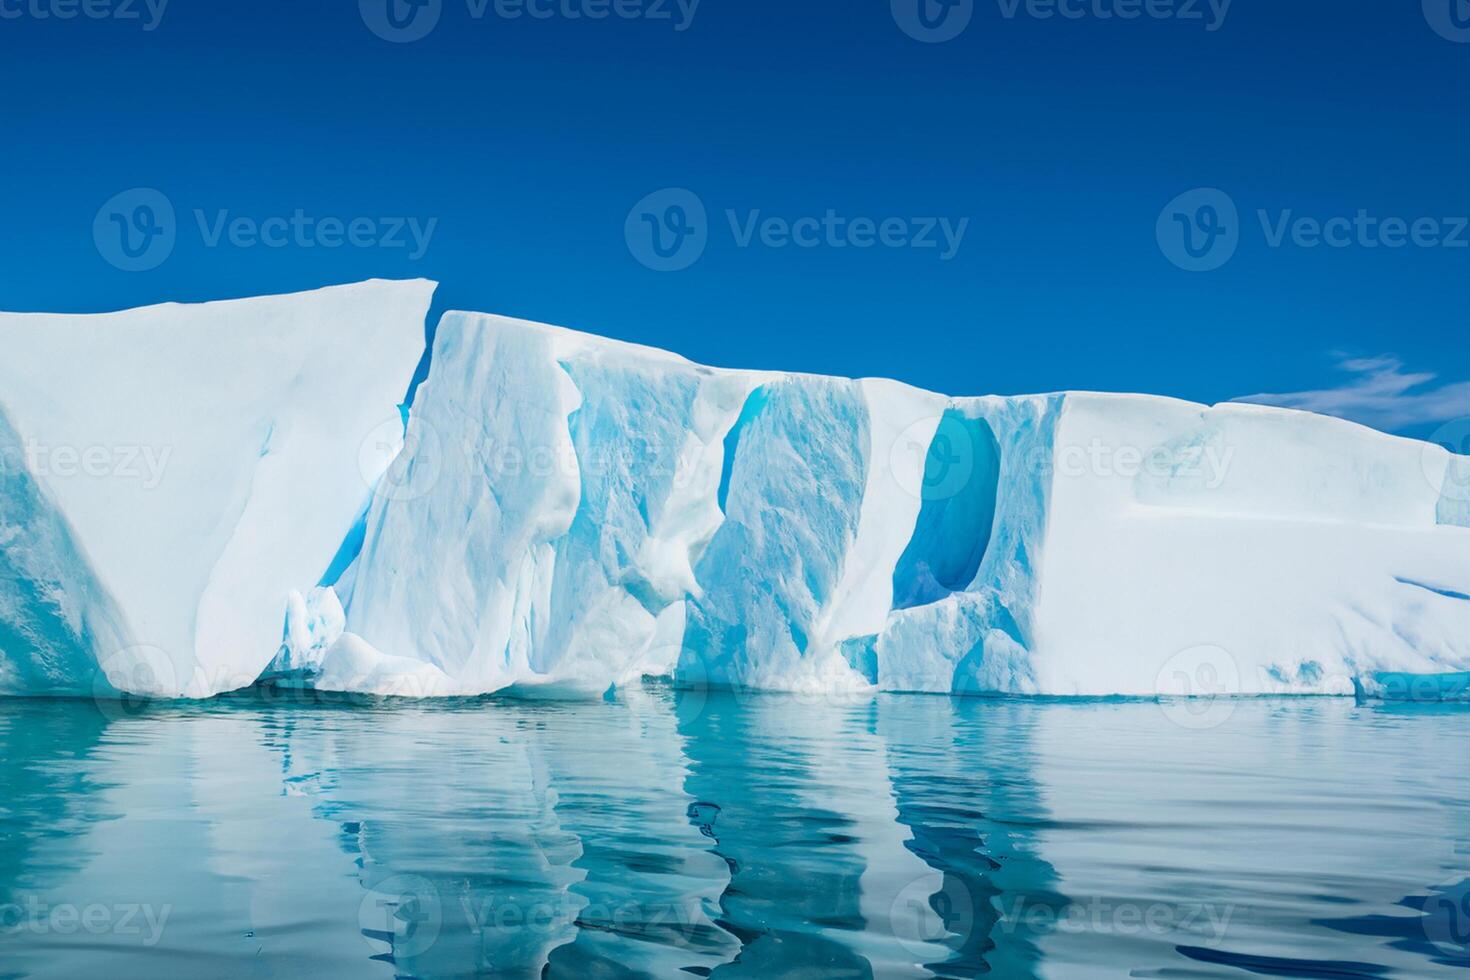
(572, 513)
(170, 476)
(197, 498)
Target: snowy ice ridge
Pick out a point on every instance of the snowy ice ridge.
(569, 514)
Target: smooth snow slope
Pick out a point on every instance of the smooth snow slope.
(171, 474)
(572, 512)
(1294, 553)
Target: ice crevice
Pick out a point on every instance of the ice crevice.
(961, 484)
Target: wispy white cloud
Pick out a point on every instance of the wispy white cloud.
(1380, 393)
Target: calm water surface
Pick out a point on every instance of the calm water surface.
(668, 834)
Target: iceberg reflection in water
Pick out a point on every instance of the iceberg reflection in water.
(669, 833)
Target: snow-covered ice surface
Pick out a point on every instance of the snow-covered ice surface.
(1301, 553)
(197, 497)
(169, 476)
(572, 512)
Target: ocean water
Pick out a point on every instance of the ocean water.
(670, 834)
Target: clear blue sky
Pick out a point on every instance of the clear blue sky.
(1060, 139)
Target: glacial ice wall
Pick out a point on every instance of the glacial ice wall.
(169, 475)
(194, 498)
(571, 513)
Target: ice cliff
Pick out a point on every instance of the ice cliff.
(169, 475)
(571, 513)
